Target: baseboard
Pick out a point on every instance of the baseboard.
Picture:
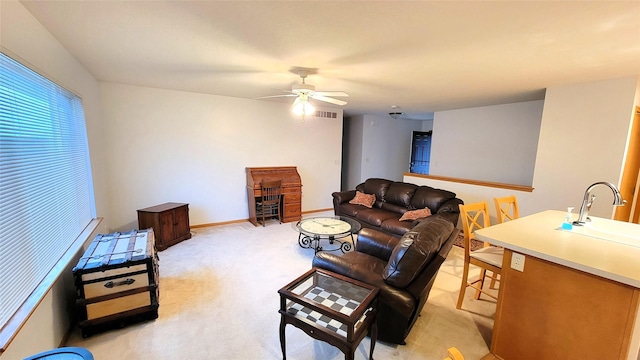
(243, 220)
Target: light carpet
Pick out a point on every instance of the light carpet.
(219, 300)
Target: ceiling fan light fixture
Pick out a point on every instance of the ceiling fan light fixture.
(302, 106)
(396, 114)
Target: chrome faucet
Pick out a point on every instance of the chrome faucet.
(588, 199)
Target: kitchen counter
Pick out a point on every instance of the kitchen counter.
(540, 235)
(578, 294)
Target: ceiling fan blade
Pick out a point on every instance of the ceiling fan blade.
(327, 99)
(275, 96)
(331, 93)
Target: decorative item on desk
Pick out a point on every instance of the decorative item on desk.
(566, 225)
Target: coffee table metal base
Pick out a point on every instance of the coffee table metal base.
(336, 230)
(314, 242)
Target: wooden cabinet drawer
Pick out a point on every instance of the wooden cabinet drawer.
(118, 305)
(292, 198)
(292, 211)
(114, 272)
(116, 285)
(291, 190)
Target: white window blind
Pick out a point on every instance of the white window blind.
(46, 193)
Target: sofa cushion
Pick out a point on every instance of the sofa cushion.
(377, 187)
(416, 248)
(374, 216)
(350, 209)
(396, 227)
(426, 196)
(366, 200)
(415, 214)
(400, 193)
(451, 206)
(398, 209)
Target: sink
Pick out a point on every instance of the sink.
(616, 231)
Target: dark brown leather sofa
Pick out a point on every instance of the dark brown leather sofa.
(393, 199)
(403, 268)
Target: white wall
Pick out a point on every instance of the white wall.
(427, 125)
(474, 193)
(380, 147)
(582, 140)
(174, 146)
(492, 143)
(386, 146)
(22, 36)
(352, 152)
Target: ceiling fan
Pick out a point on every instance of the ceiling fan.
(303, 92)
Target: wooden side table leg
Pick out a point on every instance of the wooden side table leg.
(282, 338)
(374, 337)
(349, 355)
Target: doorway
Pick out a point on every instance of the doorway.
(630, 184)
(420, 152)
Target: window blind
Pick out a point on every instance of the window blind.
(46, 193)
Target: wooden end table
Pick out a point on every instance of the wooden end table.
(331, 308)
(170, 222)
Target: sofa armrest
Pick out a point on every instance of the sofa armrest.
(451, 211)
(343, 196)
(340, 197)
(376, 243)
(421, 286)
(450, 205)
(333, 262)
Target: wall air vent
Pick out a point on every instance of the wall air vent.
(326, 114)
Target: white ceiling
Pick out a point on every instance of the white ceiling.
(423, 56)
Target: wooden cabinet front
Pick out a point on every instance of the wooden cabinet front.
(549, 311)
(170, 222)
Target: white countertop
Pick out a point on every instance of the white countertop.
(539, 235)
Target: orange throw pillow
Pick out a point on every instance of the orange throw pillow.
(363, 199)
(416, 214)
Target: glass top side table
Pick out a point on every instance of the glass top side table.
(313, 230)
(331, 308)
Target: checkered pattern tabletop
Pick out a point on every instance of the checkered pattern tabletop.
(336, 295)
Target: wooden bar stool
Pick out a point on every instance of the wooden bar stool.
(506, 208)
(474, 217)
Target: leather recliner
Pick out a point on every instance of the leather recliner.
(403, 268)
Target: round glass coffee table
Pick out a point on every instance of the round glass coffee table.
(332, 229)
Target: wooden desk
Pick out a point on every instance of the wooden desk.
(291, 209)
